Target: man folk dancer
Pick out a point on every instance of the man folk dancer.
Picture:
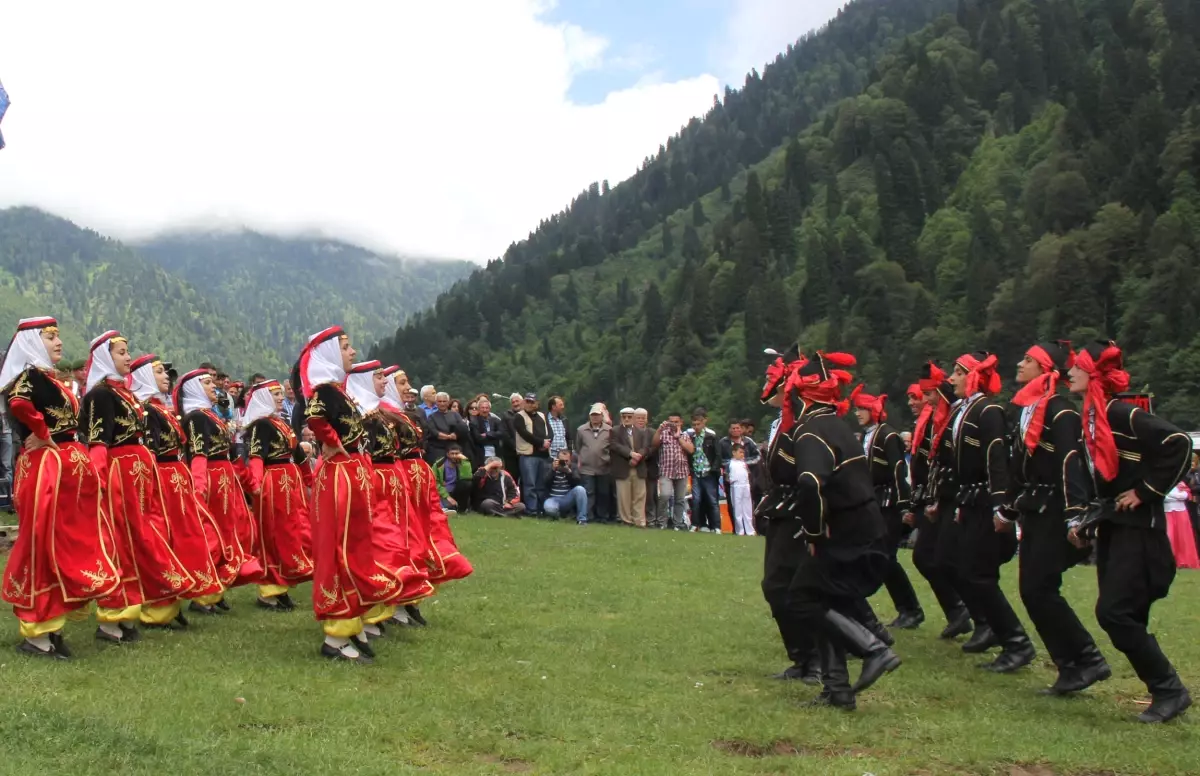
(1135, 459)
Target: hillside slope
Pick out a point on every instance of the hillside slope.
(1010, 170)
(50, 266)
(287, 288)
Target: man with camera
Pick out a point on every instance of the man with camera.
(672, 473)
(566, 495)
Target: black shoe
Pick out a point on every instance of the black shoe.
(223, 605)
(271, 605)
(1018, 652)
(182, 621)
(333, 653)
(102, 635)
(836, 700)
(162, 626)
(60, 644)
(791, 673)
(958, 623)
(25, 648)
(908, 620)
(369, 637)
(981, 640)
(361, 643)
(129, 632)
(414, 614)
(878, 659)
(1164, 708)
(196, 608)
(1080, 675)
(286, 602)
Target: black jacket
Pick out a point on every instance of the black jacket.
(835, 498)
(978, 433)
(889, 468)
(1052, 480)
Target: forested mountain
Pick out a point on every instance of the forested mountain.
(288, 288)
(918, 179)
(49, 266)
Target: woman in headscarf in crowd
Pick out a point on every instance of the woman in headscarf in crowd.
(183, 517)
(365, 385)
(278, 477)
(64, 555)
(113, 423)
(431, 541)
(231, 542)
(349, 577)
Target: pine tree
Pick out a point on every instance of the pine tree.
(698, 217)
(654, 317)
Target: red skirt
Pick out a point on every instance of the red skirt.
(227, 503)
(150, 571)
(186, 528)
(1183, 539)
(454, 565)
(391, 533)
(64, 554)
(282, 523)
(414, 474)
(348, 576)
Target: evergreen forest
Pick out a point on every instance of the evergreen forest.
(918, 179)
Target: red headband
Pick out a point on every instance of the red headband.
(935, 379)
(981, 375)
(1105, 377)
(813, 389)
(778, 373)
(872, 404)
(915, 393)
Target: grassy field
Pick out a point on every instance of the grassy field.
(572, 651)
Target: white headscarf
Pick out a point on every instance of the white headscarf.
(261, 403)
(391, 394)
(100, 363)
(141, 380)
(26, 349)
(193, 397)
(322, 362)
(361, 385)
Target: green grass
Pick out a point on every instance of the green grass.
(572, 651)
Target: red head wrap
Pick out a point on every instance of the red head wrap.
(1041, 388)
(872, 404)
(815, 383)
(1103, 364)
(981, 373)
(915, 393)
(931, 378)
(780, 370)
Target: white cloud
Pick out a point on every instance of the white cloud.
(759, 30)
(422, 128)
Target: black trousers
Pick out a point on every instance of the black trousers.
(1135, 568)
(838, 577)
(784, 553)
(982, 552)
(1045, 555)
(896, 581)
(925, 559)
(948, 556)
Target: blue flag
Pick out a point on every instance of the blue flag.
(3, 107)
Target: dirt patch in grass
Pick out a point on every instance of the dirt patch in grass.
(782, 748)
(509, 764)
(1041, 769)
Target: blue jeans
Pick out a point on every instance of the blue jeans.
(533, 472)
(575, 501)
(706, 506)
(598, 487)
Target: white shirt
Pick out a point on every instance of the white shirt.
(739, 473)
(869, 439)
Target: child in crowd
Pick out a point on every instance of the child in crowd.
(739, 496)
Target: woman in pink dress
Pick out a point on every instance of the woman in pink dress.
(1179, 527)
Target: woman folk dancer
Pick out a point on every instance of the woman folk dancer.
(933, 418)
(113, 422)
(784, 540)
(64, 556)
(847, 558)
(279, 477)
(349, 576)
(1135, 459)
(216, 482)
(1050, 489)
(365, 385)
(184, 517)
(889, 474)
(978, 435)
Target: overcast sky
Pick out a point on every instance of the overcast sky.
(418, 128)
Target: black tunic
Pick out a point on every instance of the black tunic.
(111, 416)
(331, 405)
(383, 443)
(208, 436)
(835, 497)
(164, 434)
(1152, 456)
(54, 400)
(980, 454)
(1052, 479)
(275, 443)
(889, 469)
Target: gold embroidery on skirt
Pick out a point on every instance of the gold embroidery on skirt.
(98, 577)
(141, 475)
(223, 486)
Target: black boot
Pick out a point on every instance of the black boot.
(849, 635)
(793, 672)
(1018, 652)
(981, 640)
(414, 614)
(958, 623)
(1169, 699)
(908, 620)
(866, 615)
(1078, 675)
(812, 668)
(835, 677)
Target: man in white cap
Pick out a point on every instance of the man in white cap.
(630, 445)
(592, 445)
